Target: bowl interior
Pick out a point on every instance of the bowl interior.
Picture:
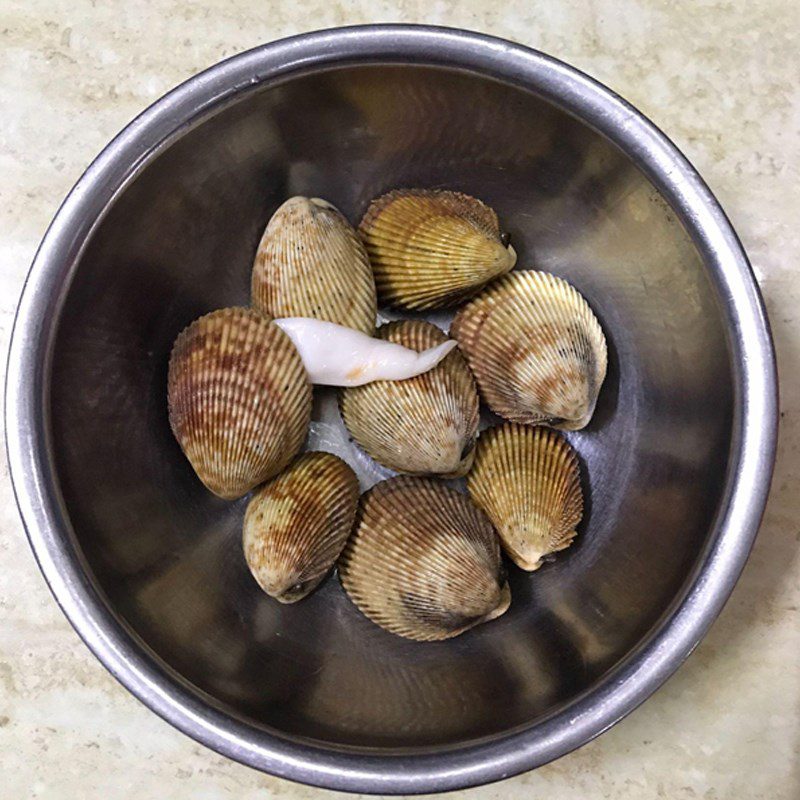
(179, 241)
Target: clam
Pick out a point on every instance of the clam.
(296, 525)
(423, 561)
(535, 348)
(423, 425)
(433, 248)
(311, 263)
(527, 481)
(239, 399)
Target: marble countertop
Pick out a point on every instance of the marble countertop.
(720, 77)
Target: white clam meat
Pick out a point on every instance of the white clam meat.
(337, 356)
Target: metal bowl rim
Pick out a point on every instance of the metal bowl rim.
(752, 447)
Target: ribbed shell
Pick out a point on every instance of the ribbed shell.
(423, 425)
(431, 248)
(296, 525)
(535, 348)
(239, 399)
(527, 480)
(311, 263)
(423, 561)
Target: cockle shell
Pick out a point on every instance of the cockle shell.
(296, 525)
(527, 480)
(433, 248)
(535, 348)
(423, 425)
(239, 399)
(311, 263)
(423, 561)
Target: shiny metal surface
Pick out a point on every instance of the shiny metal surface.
(148, 566)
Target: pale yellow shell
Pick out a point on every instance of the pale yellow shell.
(311, 263)
(423, 561)
(423, 425)
(432, 248)
(239, 399)
(296, 525)
(535, 348)
(527, 480)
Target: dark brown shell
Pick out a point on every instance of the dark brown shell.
(422, 425)
(296, 525)
(239, 399)
(423, 561)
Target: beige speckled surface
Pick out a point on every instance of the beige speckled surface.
(721, 78)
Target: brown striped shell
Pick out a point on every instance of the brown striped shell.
(311, 263)
(535, 348)
(239, 399)
(433, 248)
(422, 425)
(423, 561)
(296, 525)
(527, 480)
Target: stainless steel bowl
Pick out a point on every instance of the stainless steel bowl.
(147, 565)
